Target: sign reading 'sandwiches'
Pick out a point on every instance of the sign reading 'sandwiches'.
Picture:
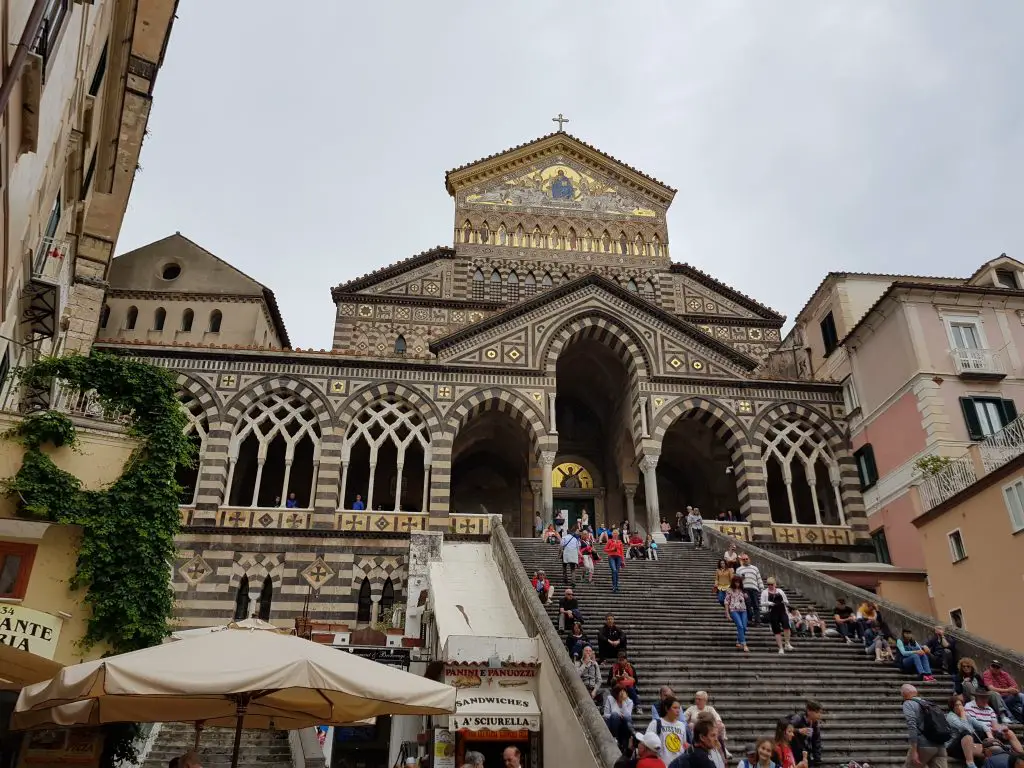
(506, 701)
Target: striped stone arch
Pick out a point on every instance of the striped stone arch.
(358, 400)
(603, 327)
(378, 570)
(720, 419)
(259, 390)
(501, 400)
(828, 428)
(203, 392)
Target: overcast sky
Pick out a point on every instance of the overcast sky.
(308, 147)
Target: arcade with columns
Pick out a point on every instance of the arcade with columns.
(552, 358)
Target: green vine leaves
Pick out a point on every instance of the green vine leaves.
(128, 528)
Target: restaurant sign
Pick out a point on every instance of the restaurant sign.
(29, 630)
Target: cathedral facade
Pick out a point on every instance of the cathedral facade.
(552, 358)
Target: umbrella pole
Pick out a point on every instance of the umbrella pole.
(243, 705)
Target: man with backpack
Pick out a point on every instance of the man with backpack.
(927, 730)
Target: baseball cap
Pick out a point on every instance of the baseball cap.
(651, 741)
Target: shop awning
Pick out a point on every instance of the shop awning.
(498, 711)
(18, 668)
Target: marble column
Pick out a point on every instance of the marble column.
(547, 464)
(649, 465)
(536, 488)
(630, 490)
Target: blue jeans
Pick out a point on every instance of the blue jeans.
(615, 563)
(721, 597)
(621, 727)
(916, 662)
(753, 605)
(739, 618)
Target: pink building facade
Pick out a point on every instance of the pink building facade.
(928, 366)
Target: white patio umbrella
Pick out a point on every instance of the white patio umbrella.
(245, 679)
(251, 623)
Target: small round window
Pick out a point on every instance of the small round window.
(171, 271)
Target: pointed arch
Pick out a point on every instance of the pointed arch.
(546, 281)
(266, 598)
(564, 279)
(478, 284)
(588, 240)
(535, 241)
(605, 328)
(623, 244)
(572, 244)
(554, 239)
(657, 246)
(484, 236)
(198, 431)
(467, 232)
(497, 399)
(495, 276)
(647, 289)
(400, 345)
(639, 247)
(502, 234)
(631, 286)
(520, 236)
(513, 286)
(530, 284)
(606, 242)
(242, 599)
(386, 604)
(364, 603)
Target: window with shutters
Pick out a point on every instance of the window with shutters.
(850, 398)
(513, 286)
(881, 546)
(866, 468)
(15, 567)
(1014, 495)
(956, 546)
(985, 416)
(829, 336)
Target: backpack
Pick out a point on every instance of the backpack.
(934, 725)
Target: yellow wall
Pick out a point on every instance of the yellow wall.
(986, 584)
(98, 461)
(910, 594)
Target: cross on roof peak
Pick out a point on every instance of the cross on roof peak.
(560, 119)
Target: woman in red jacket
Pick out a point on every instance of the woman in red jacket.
(613, 549)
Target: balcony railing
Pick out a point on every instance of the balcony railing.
(52, 259)
(977, 362)
(960, 474)
(994, 451)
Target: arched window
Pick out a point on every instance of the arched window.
(803, 475)
(400, 345)
(546, 281)
(186, 320)
(520, 237)
(606, 242)
(530, 284)
(554, 239)
(197, 430)
(387, 600)
(467, 232)
(631, 286)
(131, 318)
(242, 600)
(565, 278)
(104, 315)
(364, 608)
(215, 318)
(513, 286)
(502, 234)
(647, 289)
(266, 598)
(572, 242)
(623, 244)
(485, 233)
(588, 241)
(639, 248)
(495, 289)
(657, 246)
(537, 237)
(386, 457)
(159, 318)
(274, 452)
(478, 284)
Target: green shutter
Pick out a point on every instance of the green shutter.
(1009, 411)
(872, 468)
(971, 419)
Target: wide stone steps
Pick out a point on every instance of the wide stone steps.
(259, 749)
(678, 635)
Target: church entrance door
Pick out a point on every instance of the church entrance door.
(574, 509)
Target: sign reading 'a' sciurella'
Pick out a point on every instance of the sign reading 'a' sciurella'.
(29, 630)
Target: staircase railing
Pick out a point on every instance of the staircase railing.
(823, 590)
(537, 623)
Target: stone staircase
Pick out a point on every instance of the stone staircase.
(679, 636)
(260, 749)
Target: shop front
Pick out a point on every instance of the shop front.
(496, 708)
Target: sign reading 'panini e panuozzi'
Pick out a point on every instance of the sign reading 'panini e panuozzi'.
(29, 630)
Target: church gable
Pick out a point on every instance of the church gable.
(697, 293)
(426, 274)
(518, 339)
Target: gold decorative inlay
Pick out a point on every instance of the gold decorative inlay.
(491, 354)
(697, 365)
(337, 386)
(675, 362)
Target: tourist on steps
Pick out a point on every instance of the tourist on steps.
(700, 707)
(941, 650)
(569, 610)
(538, 525)
(590, 674)
(967, 680)
(358, 504)
(614, 552)
(761, 755)
(968, 736)
(652, 547)
(587, 544)
(618, 716)
(570, 546)
(999, 680)
(815, 624)
(705, 747)
(922, 751)
(784, 733)
(576, 641)
(846, 621)
(807, 732)
(610, 640)
(664, 694)
(723, 577)
(778, 615)
(542, 586)
(670, 729)
(913, 658)
(646, 755)
(732, 557)
(981, 711)
(636, 547)
(736, 610)
(623, 675)
(752, 585)
(695, 526)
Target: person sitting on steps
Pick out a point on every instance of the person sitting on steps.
(576, 641)
(610, 639)
(652, 547)
(941, 650)
(913, 657)
(637, 551)
(590, 674)
(846, 621)
(542, 586)
(569, 610)
(815, 624)
(618, 715)
(623, 675)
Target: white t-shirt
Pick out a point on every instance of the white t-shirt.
(673, 738)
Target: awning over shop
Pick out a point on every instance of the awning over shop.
(499, 711)
(18, 668)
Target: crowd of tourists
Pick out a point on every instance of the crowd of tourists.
(693, 735)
